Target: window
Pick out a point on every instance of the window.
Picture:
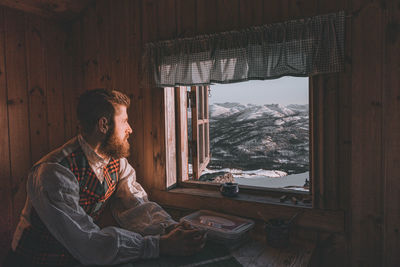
(312, 47)
(258, 144)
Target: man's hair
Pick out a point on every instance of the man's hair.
(97, 103)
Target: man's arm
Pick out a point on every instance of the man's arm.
(54, 193)
(132, 209)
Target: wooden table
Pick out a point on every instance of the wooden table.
(257, 253)
(253, 253)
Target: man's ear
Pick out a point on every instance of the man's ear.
(103, 125)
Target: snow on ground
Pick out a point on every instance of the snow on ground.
(293, 181)
(265, 178)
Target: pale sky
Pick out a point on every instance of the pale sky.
(285, 91)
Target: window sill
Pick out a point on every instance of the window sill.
(272, 193)
(250, 205)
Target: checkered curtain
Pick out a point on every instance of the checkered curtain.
(303, 47)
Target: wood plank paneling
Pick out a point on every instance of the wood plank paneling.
(90, 43)
(105, 27)
(136, 110)
(55, 9)
(6, 208)
(55, 90)
(186, 17)
(273, 11)
(72, 78)
(37, 86)
(17, 107)
(330, 131)
(107, 41)
(149, 30)
(206, 15)
(250, 12)
(167, 19)
(24, 65)
(391, 135)
(227, 15)
(119, 49)
(366, 158)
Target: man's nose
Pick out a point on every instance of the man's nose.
(129, 129)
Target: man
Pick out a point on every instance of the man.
(69, 189)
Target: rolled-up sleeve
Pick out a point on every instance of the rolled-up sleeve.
(132, 209)
(54, 193)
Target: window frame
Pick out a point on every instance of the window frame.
(183, 181)
(326, 211)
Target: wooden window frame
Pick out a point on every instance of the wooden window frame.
(181, 100)
(326, 211)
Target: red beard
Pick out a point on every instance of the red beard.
(115, 148)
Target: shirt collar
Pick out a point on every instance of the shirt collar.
(94, 159)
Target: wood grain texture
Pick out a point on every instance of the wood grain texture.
(37, 86)
(105, 27)
(149, 31)
(167, 19)
(64, 10)
(72, 78)
(367, 187)
(90, 43)
(170, 137)
(228, 15)
(206, 15)
(249, 206)
(6, 209)
(182, 133)
(250, 13)
(17, 107)
(366, 95)
(258, 254)
(136, 110)
(55, 39)
(391, 135)
(186, 18)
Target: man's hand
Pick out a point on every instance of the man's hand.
(182, 240)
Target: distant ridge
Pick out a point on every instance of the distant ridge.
(269, 137)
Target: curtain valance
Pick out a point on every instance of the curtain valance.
(301, 47)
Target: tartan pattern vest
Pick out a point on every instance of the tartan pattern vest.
(37, 245)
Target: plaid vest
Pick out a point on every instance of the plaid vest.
(37, 245)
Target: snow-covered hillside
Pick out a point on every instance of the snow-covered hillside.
(252, 137)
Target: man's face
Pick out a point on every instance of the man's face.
(116, 142)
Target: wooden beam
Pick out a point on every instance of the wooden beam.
(170, 137)
(182, 133)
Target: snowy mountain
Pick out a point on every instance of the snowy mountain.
(251, 137)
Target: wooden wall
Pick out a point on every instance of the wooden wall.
(360, 158)
(104, 48)
(33, 105)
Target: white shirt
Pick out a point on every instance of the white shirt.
(96, 162)
(53, 191)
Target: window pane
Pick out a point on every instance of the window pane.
(259, 133)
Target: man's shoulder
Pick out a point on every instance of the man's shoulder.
(60, 153)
